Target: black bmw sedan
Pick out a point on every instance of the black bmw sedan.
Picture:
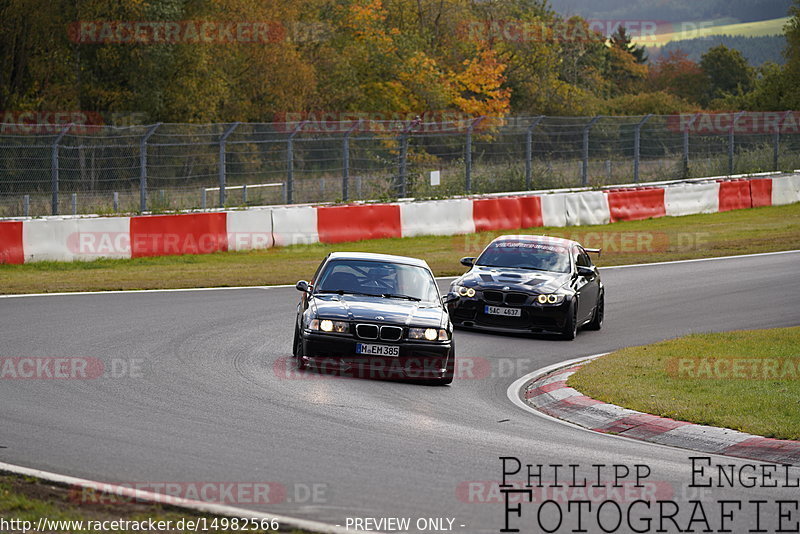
(374, 316)
(528, 283)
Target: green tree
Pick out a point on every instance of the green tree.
(728, 72)
(622, 41)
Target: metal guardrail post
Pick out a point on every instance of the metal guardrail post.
(346, 161)
(290, 162)
(143, 167)
(54, 169)
(688, 127)
(403, 164)
(637, 141)
(731, 142)
(222, 176)
(777, 141)
(468, 155)
(529, 152)
(585, 169)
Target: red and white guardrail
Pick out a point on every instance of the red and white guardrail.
(71, 239)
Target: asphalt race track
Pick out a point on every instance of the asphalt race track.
(205, 403)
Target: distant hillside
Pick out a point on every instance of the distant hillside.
(757, 50)
(674, 10)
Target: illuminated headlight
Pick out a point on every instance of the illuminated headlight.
(550, 300)
(462, 291)
(429, 334)
(326, 325)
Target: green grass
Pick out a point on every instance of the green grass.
(668, 238)
(693, 378)
(28, 499)
(694, 30)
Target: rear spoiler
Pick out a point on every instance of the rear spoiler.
(593, 250)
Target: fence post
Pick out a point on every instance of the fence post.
(116, 201)
(222, 143)
(686, 144)
(403, 163)
(54, 169)
(203, 194)
(777, 140)
(290, 162)
(637, 141)
(585, 169)
(346, 161)
(26, 206)
(529, 152)
(143, 167)
(468, 155)
(731, 142)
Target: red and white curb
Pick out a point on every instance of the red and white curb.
(549, 394)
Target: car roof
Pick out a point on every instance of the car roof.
(370, 256)
(543, 239)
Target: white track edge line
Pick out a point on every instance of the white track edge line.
(156, 498)
(283, 286)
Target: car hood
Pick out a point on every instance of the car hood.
(514, 279)
(393, 311)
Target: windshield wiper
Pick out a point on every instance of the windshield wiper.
(515, 267)
(346, 292)
(407, 297)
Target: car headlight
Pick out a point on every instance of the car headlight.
(462, 291)
(428, 334)
(550, 300)
(326, 325)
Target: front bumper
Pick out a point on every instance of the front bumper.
(336, 355)
(470, 313)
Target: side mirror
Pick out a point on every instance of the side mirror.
(302, 285)
(586, 272)
(467, 262)
(446, 299)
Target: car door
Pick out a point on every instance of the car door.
(590, 289)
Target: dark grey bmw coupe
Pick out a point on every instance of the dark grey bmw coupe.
(374, 316)
(529, 283)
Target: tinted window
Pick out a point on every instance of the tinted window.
(378, 278)
(583, 259)
(526, 255)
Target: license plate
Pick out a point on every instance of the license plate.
(377, 350)
(505, 312)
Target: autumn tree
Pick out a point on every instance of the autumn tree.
(676, 74)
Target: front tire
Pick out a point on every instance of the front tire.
(597, 321)
(570, 330)
(297, 349)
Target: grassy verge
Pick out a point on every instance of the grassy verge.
(744, 380)
(668, 238)
(29, 499)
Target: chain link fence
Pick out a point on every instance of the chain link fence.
(70, 169)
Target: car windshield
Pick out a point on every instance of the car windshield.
(383, 279)
(526, 255)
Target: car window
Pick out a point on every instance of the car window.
(583, 259)
(526, 255)
(378, 278)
